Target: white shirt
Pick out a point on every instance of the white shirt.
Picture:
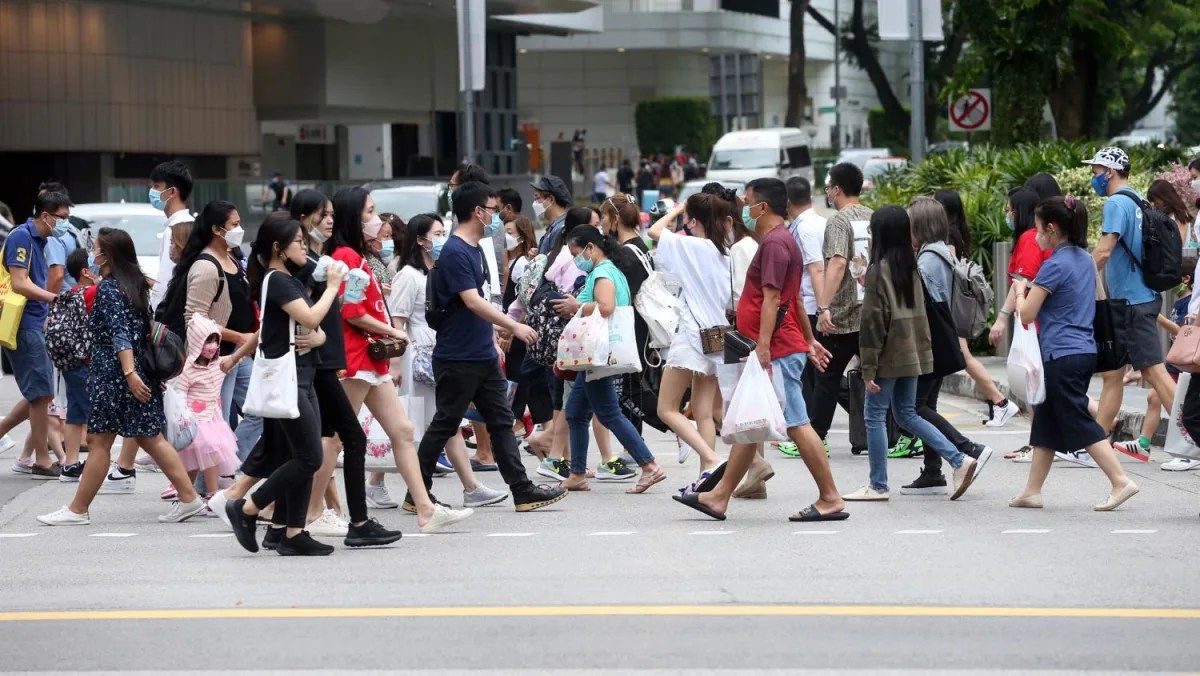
(809, 231)
(741, 255)
(601, 181)
(166, 266)
(704, 274)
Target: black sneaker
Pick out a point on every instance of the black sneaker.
(71, 473)
(243, 525)
(302, 545)
(370, 534)
(272, 538)
(409, 506)
(926, 484)
(976, 450)
(537, 497)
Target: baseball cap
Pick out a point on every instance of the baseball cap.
(1111, 157)
(555, 186)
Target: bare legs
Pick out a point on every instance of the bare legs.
(703, 437)
(94, 472)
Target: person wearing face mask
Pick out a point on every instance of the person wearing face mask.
(65, 239)
(1119, 255)
(381, 247)
(551, 199)
(170, 188)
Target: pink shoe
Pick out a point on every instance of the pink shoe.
(169, 493)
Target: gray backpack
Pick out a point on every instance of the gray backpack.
(971, 296)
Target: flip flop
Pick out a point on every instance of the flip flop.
(713, 479)
(810, 513)
(693, 500)
(647, 482)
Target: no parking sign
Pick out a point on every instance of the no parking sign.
(972, 111)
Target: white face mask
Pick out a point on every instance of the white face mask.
(316, 235)
(539, 209)
(1196, 185)
(233, 238)
(511, 241)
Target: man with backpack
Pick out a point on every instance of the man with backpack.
(1140, 253)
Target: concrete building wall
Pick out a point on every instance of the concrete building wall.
(106, 76)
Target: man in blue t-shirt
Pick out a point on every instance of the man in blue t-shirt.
(65, 239)
(25, 260)
(466, 359)
(1119, 255)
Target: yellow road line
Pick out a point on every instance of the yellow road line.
(602, 611)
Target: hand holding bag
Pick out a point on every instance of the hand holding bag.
(1110, 354)
(181, 422)
(384, 348)
(622, 347)
(754, 414)
(274, 390)
(584, 342)
(1026, 374)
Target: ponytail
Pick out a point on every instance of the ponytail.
(1069, 214)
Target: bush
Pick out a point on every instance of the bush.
(664, 123)
(885, 134)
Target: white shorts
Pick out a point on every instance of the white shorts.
(371, 378)
(685, 353)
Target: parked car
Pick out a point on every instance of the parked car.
(406, 198)
(144, 223)
(761, 153)
(878, 166)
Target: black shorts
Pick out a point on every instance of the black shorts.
(1062, 422)
(1137, 330)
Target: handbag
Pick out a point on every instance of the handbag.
(1185, 352)
(384, 348)
(738, 347)
(943, 337)
(162, 354)
(1110, 353)
(274, 390)
(12, 308)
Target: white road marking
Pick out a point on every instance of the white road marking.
(19, 535)
(509, 535)
(712, 532)
(981, 432)
(614, 532)
(1026, 531)
(1134, 532)
(416, 535)
(816, 532)
(111, 535)
(918, 532)
(212, 535)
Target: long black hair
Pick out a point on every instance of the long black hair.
(411, 252)
(1045, 185)
(583, 235)
(278, 228)
(710, 211)
(891, 243)
(1022, 202)
(214, 214)
(348, 205)
(117, 247)
(960, 233)
(306, 203)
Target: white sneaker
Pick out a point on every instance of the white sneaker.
(217, 504)
(1081, 458)
(118, 482)
(144, 462)
(341, 459)
(6, 442)
(378, 497)
(984, 455)
(482, 496)
(867, 494)
(444, 517)
(685, 451)
(1024, 457)
(964, 476)
(65, 517)
(22, 466)
(1002, 414)
(328, 525)
(1180, 465)
(181, 511)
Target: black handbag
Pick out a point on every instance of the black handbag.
(943, 337)
(1110, 354)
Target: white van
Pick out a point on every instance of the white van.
(761, 153)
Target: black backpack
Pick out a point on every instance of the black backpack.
(163, 354)
(170, 311)
(68, 336)
(1162, 247)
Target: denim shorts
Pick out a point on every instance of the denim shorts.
(31, 365)
(788, 371)
(79, 400)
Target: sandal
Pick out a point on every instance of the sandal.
(647, 481)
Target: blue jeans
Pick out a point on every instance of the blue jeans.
(600, 397)
(901, 394)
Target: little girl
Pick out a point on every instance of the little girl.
(214, 450)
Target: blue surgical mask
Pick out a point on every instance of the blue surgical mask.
(92, 265)
(436, 251)
(389, 248)
(492, 227)
(1008, 222)
(156, 199)
(62, 226)
(584, 263)
(751, 223)
(1100, 184)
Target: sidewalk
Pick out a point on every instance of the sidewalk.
(1129, 420)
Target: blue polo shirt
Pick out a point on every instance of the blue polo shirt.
(1065, 322)
(25, 248)
(464, 335)
(1123, 217)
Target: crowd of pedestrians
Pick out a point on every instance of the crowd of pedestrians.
(247, 372)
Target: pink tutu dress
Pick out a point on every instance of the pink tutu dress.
(214, 444)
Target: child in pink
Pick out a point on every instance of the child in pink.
(214, 450)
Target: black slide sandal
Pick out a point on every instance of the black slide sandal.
(693, 500)
(713, 479)
(810, 513)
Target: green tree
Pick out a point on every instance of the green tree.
(1185, 106)
(670, 121)
(797, 82)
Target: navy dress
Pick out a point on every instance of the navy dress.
(117, 325)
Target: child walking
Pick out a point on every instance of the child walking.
(214, 449)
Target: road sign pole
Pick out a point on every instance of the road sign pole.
(916, 53)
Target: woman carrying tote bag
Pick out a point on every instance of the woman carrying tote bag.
(286, 310)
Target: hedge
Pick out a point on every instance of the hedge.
(664, 123)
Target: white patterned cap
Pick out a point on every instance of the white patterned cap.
(1111, 157)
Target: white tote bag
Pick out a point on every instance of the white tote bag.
(584, 342)
(274, 391)
(1026, 375)
(1179, 443)
(622, 347)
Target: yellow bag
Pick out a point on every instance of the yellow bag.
(12, 307)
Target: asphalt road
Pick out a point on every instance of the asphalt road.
(608, 581)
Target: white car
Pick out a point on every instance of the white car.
(405, 198)
(144, 223)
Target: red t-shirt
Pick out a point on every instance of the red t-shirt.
(1027, 256)
(356, 341)
(777, 264)
(89, 296)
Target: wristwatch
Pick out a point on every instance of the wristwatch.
(822, 310)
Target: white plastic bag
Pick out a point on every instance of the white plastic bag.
(622, 347)
(1026, 375)
(754, 415)
(584, 342)
(181, 422)
(1179, 443)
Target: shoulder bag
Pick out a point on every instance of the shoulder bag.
(274, 390)
(384, 348)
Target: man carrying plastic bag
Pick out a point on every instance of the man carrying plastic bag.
(770, 313)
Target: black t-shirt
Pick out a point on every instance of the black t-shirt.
(241, 319)
(332, 355)
(625, 179)
(281, 289)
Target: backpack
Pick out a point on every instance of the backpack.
(541, 317)
(162, 354)
(1162, 247)
(656, 302)
(68, 336)
(970, 297)
(170, 311)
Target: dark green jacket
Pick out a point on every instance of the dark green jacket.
(893, 340)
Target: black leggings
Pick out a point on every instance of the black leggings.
(1190, 411)
(289, 486)
(339, 417)
(928, 388)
